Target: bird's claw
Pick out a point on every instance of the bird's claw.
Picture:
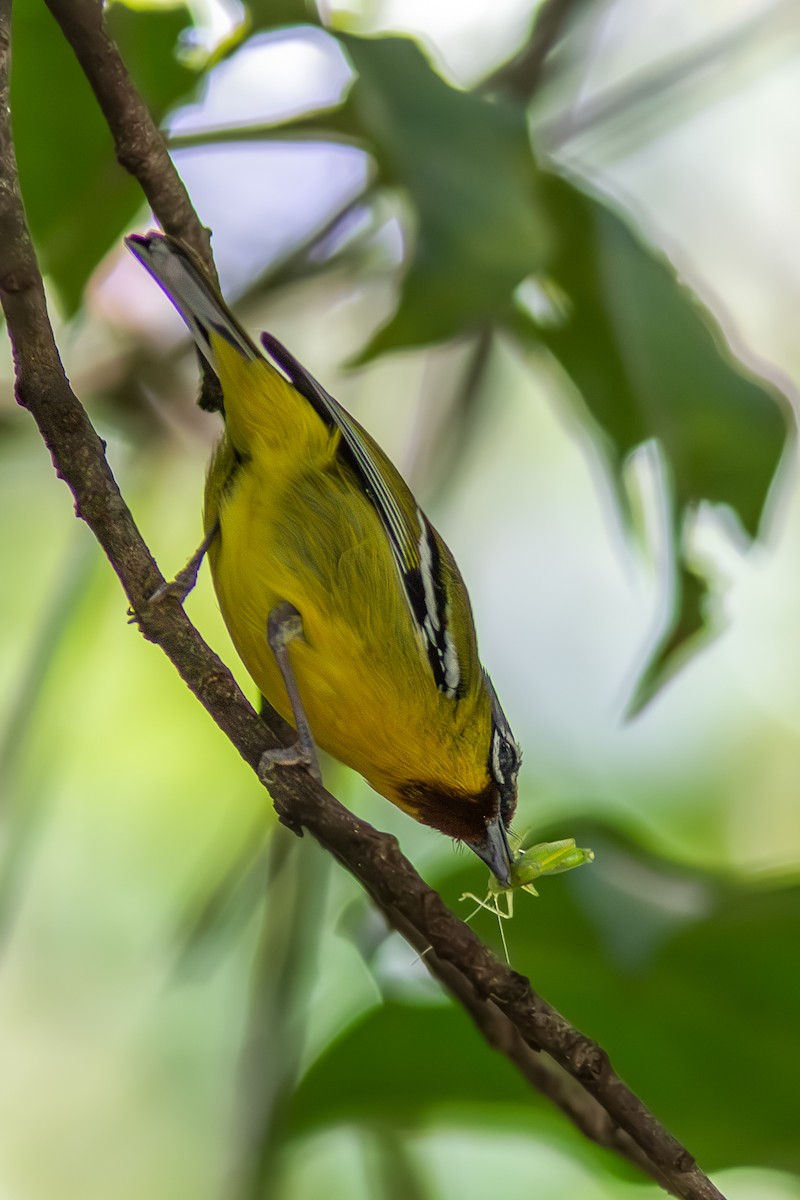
(296, 755)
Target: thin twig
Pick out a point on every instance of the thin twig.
(317, 126)
(298, 262)
(140, 145)
(648, 96)
(522, 75)
(373, 858)
(451, 437)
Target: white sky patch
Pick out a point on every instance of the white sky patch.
(467, 37)
(259, 198)
(272, 77)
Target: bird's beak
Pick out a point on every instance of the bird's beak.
(495, 851)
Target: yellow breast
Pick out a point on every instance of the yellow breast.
(294, 527)
(360, 667)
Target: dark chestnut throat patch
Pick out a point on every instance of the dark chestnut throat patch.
(454, 813)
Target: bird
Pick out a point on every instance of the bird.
(342, 600)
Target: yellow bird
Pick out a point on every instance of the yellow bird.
(342, 600)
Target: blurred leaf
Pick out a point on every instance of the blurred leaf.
(465, 164)
(651, 362)
(272, 14)
(78, 199)
(24, 823)
(216, 916)
(148, 42)
(664, 968)
(685, 632)
(397, 1064)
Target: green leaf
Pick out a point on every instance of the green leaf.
(687, 629)
(273, 14)
(398, 1064)
(651, 363)
(78, 199)
(687, 981)
(684, 979)
(465, 164)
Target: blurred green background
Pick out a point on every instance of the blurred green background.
(524, 281)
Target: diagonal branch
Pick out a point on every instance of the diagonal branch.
(489, 989)
(544, 1075)
(140, 146)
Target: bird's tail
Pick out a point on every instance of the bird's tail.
(191, 291)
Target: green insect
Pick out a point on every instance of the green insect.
(546, 858)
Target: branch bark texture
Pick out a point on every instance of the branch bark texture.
(511, 1016)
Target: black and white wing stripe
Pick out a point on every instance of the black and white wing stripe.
(427, 599)
(414, 548)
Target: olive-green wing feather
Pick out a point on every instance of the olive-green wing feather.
(430, 579)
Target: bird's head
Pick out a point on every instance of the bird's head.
(481, 820)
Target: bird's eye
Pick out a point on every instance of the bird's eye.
(505, 759)
(504, 765)
(509, 759)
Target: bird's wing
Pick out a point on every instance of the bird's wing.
(416, 548)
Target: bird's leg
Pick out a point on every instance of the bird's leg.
(184, 581)
(284, 624)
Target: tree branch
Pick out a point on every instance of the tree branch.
(458, 958)
(545, 1076)
(140, 145)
